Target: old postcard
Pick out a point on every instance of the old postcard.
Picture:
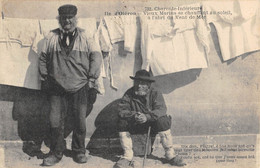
(130, 83)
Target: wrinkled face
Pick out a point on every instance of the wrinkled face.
(141, 87)
(68, 23)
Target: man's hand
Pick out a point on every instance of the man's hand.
(91, 83)
(140, 118)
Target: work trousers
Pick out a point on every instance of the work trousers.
(63, 105)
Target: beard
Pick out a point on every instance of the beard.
(142, 91)
(68, 26)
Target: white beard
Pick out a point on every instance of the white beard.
(142, 91)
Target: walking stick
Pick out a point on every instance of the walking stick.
(146, 145)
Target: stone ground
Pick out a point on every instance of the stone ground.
(12, 155)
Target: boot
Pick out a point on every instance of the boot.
(166, 140)
(56, 148)
(177, 161)
(32, 149)
(80, 158)
(124, 163)
(126, 143)
(52, 159)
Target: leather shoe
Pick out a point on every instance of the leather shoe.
(80, 158)
(124, 163)
(177, 161)
(50, 160)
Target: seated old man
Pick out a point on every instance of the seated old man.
(143, 106)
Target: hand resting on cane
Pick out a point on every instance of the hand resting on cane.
(140, 118)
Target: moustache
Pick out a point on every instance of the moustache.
(67, 22)
(142, 90)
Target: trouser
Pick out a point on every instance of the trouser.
(62, 105)
(161, 126)
(70, 120)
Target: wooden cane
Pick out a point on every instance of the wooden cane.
(146, 145)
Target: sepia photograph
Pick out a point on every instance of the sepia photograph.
(130, 84)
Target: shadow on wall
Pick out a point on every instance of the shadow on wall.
(104, 141)
(30, 110)
(168, 83)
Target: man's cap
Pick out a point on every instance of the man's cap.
(68, 10)
(142, 75)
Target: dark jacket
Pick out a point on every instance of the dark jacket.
(152, 105)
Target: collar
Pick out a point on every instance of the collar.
(64, 31)
(67, 33)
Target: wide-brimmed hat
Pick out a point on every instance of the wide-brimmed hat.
(142, 75)
(68, 10)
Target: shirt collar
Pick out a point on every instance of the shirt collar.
(63, 32)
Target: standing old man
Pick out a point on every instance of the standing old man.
(143, 106)
(69, 65)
